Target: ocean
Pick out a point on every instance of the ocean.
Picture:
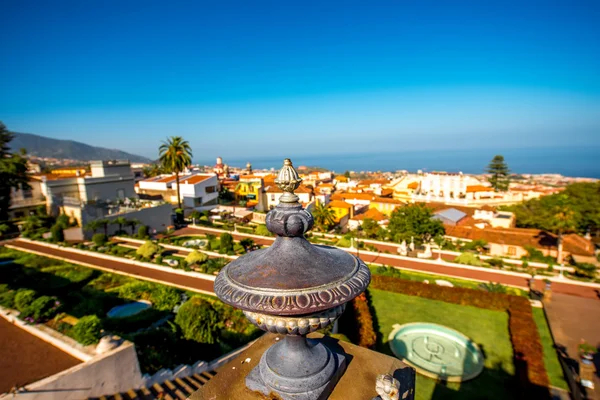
(567, 161)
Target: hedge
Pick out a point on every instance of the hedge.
(357, 322)
(524, 336)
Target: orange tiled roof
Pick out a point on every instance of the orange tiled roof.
(195, 179)
(368, 182)
(413, 185)
(339, 204)
(539, 239)
(352, 196)
(341, 178)
(386, 200)
(275, 189)
(479, 188)
(371, 213)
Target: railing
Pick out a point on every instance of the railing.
(27, 202)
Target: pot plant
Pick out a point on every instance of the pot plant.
(586, 351)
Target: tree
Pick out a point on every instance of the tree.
(226, 242)
(198, 320)
(370, 227)
(414, 220)
(13, 171)
(347, 174)
(196, 257)
(175, 156)
(132, 223)
(561, 220)
(148, 250)
(143, 232)
(120, 221)
(57, 233)
(153, 170)
(99, 239)
(195, 215)
(499, 178)
(324, 216)
(3, 229)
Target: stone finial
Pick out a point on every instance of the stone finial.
(387, 387)
(288, 181)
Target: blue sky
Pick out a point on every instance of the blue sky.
(258, 78)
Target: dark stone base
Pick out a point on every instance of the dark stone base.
(255, 382)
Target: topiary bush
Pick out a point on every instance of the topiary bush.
(99, 239)
(57, 233)
(148, 250)
(196, 257)
(142, 232)
(24, 298)
(88, 330)
(469, 259)
(198, 321)
(261, 230)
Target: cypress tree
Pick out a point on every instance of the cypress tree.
(499, 171)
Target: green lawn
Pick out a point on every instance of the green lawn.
(489, 329)
(555, 372)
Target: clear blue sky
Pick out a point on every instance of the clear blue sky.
(302, 77)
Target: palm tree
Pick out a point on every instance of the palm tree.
(120, 221)
(175, 156)
(132, 223)
(324, 216)
(94, 225)
(195, 215)
(562, 220)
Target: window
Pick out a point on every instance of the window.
(197, 201)
(512, 251)
(272, 197)
(211, 189)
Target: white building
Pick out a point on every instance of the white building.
(272, 194)
(197, 191)
(497, 219)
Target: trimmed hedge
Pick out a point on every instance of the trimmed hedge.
(524, 336)
(357, 322)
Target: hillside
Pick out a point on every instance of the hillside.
(47, 147)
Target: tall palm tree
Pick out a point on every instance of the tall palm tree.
(324, 216)
(175, 156)
(120, 221)
(132, 223)
(562, 220)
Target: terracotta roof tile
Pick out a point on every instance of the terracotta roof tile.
(339, 204)
(371, 213)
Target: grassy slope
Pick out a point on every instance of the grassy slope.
(551, 362)
(489, 329)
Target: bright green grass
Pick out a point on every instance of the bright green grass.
(555, 372)
(489, 329)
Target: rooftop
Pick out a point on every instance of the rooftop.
(451, 214)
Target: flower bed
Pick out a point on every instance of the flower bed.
(524, 336)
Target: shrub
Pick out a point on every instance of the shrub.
(196, 257)
(493, 287)
(57, 233)
(198, 320)
(357, 322)
(143, 232)
(148, 250)
(468, 259)
(99, 239)
(226, 242)
(41, 309)
(496, 262)
(214, 244)
(63, 221)
(7, 296)
(585, 270)
(88, 330)
(343, 242)
(261, 230)
(24, 298)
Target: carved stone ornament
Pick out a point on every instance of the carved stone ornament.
(293, 287)
(387, 387)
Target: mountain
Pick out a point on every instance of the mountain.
(42, 146)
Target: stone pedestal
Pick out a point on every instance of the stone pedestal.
(362, 366)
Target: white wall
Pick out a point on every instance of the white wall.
(106, 374)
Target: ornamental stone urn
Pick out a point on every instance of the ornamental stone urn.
(293, 288)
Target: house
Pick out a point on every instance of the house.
(449, 216)
(512, 242)
(385, 205)
(371, 213)
(76, 191)
(342, 212)
(249, 189)
(22, 202)
(197, 191)
(497, 219)
(272, 194)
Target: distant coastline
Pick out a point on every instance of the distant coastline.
(581, 162)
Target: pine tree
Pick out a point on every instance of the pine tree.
(500, 174)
